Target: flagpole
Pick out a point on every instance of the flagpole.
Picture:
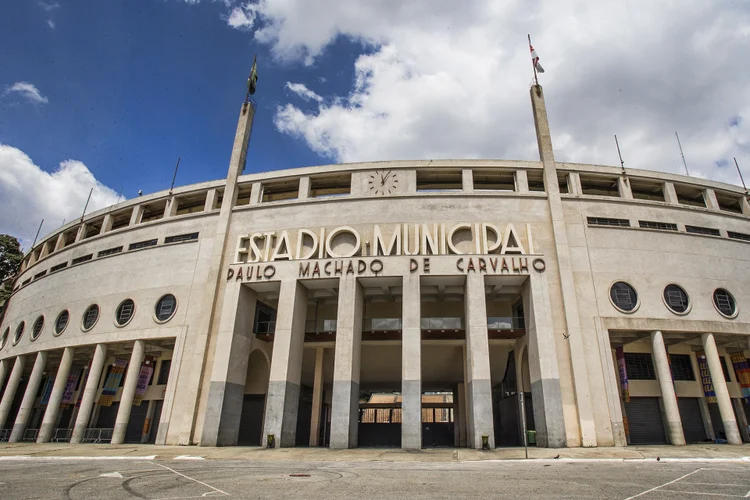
(684, 163)
(740, 172)
(536, 79)
(622, 163)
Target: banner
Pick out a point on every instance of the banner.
(70, 386)
(620, 354)
(47, 392)
(147, 369)
(708, 386)
(742, 370)
(113, 382)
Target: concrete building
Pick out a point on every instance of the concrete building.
(405, 303)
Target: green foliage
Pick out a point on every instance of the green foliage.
(10, 256)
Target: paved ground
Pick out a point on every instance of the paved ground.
(259, 479)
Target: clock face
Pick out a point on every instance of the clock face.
(382, 182)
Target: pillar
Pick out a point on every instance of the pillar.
(668, 398)
(479, 383)
(346, 365)
(10, 389)
(4, 368)
(544, 374)
(27, 404)
(522, 181)
(221, 426)
(149, 422)
(49, 422)
(317, 397)
(711, 201)
(282, 401)
(411, 364)
(89, 393)
(670, 195)
(623, 186)
(720, 388)
(128, 393)
(136, 215)
(210, 200)
(303, 191)
(739, 411)
(467, 180)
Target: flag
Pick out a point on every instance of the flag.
(535, 60)
(252, 80)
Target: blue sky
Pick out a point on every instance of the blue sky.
(109, 94)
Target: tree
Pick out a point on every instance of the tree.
(10, 260)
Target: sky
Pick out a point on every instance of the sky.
(108, 95)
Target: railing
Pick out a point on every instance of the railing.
(29, 435)
(96, 435)
(62, 435)
(382, 324)
(311, 326)
(265, 328)
(505, 322)
(442, 323)
(4, 434)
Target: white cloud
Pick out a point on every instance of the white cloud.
(302, 91)
(28, 91)
(242, 17)
(435, 81)
(51, 23)
(29, 194)
(49, 7)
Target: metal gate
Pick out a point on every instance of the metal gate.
(716, 422)
(644, 421)
(692, 420)
(437, 427)
(379, 426)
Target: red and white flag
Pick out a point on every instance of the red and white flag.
(535, 60)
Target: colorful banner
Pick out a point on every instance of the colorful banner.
(113, 382)
(47, 392)
(742, 370)
(147, 369)
(620, 354)
(70, 386)
(708, 386)
(84, 379)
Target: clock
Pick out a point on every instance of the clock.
(383, 182)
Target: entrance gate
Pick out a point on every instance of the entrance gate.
(379, 425)
(438, 429)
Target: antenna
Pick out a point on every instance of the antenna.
(622, 163)
(740, 172)
(174, 176)
(682, 154)
(37, 234)
(87, 204)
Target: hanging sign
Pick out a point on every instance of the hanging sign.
(113, 382)
(47, 391)
(742, 370)
(147, 369)
(70, 386)
(620, 354)
(708, 386)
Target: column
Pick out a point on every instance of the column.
(346, 365)
(669, 400)
(136, 215)
(522, 181)
(411, 363)
(544, 374)
(467, 180)
(304, 188)
(282, 401)
(149, 421)
(720, 388)
(89, 393)
(623, 186)
(317, 397)
(10, 389)
(49, 422)
(210, 200)
(479, 383)
(4, 367)
(221, 426)
(739, 411)
(128, 393)
(27, 404)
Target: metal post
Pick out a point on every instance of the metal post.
(684, 163)
(622, 163)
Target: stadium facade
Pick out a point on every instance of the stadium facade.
(406, 303)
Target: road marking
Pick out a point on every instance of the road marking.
(665, 484)
(44, 459)
(111, 474)
(747, 495)
(195, 480)
(701, 493)
(189, 457)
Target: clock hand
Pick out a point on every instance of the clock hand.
(386, 177)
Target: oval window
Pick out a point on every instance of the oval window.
(623, 296)
(61, 323)
(124, 312)
(725, 303)
(4, 338)
(165, 308)
(90, 317)
(676, 299)
(19, 333)
(36, 330)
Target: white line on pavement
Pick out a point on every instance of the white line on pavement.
(663, 485)
(41, 459)
(195, 480)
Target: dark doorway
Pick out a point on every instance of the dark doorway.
(251, 421)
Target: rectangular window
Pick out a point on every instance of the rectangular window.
(243, 195)
(603, 221)
(93, 228)
(109, 251)
(153, 211)
(682, 367)
(702, 230)
(536, 181)
(181, 237)
(687, 195)
(39, 275)
(191, 204)
(26, 282)
(330, 185)
(121, 219)
(280, 190)
(164, 372)
(664, 226)
(724, 369)
(644, 190)
(494, 180)
(562, 182)
(639, 366)
(142, 244)
(79, 260)
(439, 180)
(58, 267)
(599, 186)
(738, 236)
(729, 202)
(70, 236)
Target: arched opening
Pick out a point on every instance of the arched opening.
(254, 400)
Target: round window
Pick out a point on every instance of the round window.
(623, 296)
(19, 332)
(676, 299)
(166, 308)
(4, 338)
(124, 312)
(36, 330)
(725, 303)
(61, 323)
(90, 317)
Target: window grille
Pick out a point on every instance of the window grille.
(90, 317)
(166, 307)
(109, 251)
(639, 366)
(676, 298)
(603, 221)
(702, 230)
(738, 236)
(61, 323)
(623, 296)
(664, 226)
(682, 367)
(125, 312)
(724, 302)
(79, 260)
(181, 237)
(142, 244)
(37, 328)
(58, 267)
